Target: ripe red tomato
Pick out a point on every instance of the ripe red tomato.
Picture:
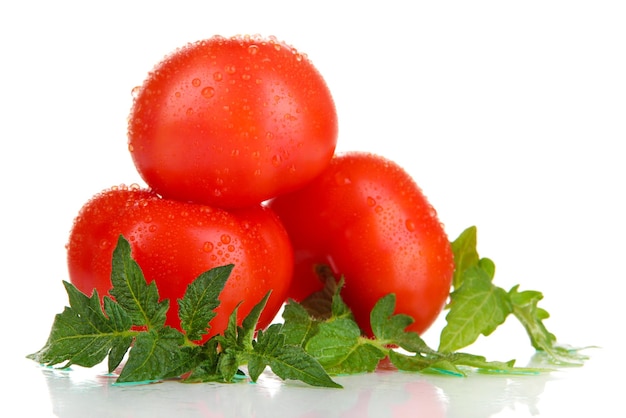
(174, 242)
(366, 219)
(232, 122)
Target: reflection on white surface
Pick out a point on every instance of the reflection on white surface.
(90, 392)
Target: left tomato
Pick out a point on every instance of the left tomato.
(174, 242)
(232, 122)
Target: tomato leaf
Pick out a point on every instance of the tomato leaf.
(196, 308)
(476, 307)
(340, 348)
(465, 254)
(83, 334)
(155, 355)
(298, 326)
(130, 290)
(245, 334)
(525, 309)
(286, 361)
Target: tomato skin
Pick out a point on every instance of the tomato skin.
(232, 122)
(367, 219)
(174, 242)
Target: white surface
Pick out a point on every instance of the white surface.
(510, 116)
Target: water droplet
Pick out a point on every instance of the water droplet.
(371, 201)
(208, 92)
(231, 248)
(196, 82)
(207, 247)
(189, 111)
(245, 77)
(410, 225)
(152, 228)
(130, 147)
(135, 91)
(253, 49)
(230, 69)
(341, 179)
(225, 239)
(217, 76)
(104, 244)
(276, 160)
(378, 209)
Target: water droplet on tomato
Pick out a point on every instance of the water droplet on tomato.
(276, 160)
(217, 76)
(230, 69)
(231, 248)
(246, 77)
(253, 49)
(189, 111)
(410, 225)
(196, 82)
(207, 247)
(371, 201)
(130, 147)
(104, 244)
(208, 92)
(225, 239)
(152, 228)
(341, 179)
(378, 209)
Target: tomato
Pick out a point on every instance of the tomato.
(366, 219)
(174, 242)
(231, 122)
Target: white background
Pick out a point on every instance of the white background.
(509, 115)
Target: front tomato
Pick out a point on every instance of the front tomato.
(174, 242)
(231, 122)
(368, 221)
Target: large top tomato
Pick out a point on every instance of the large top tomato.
(368, 221)
(174, 242)
(232, 122)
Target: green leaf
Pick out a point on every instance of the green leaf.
(205, 368)
(525, 309)
(465, 254)
(477, 307)
(298, 326)
(286, 361)
(340, 348)
(130, 290)
(390, 329)
(196, 308)
(83, 335)
(245, 333)
(155, 355)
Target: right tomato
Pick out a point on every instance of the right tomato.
(367, 219)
